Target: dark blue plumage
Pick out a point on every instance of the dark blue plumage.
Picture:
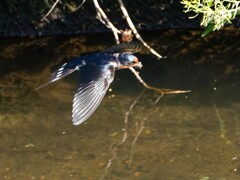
(96, 73)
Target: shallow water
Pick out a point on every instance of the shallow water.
(185, 136)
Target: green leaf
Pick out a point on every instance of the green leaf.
(209, 4)
(208, 29)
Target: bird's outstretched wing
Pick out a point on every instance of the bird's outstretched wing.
(94, 82)
(64, 70)
(130, 47)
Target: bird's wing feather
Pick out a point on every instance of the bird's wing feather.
(64, 70)
(130, 47)
(94, 82)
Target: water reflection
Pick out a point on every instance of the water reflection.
(186, 136)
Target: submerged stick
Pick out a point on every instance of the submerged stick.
(221, 124)
(127, 117)
(114, 148)
(134, 142)
(139, 132)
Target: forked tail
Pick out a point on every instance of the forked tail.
(59, 74)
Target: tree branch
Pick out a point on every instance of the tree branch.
(104, 19)
(160, 91)
(135, 32)
(53, 6)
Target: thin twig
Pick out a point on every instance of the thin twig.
(73, 9)
(104, 19)
(56, 2)
(53, 6)
(135, 32)
(160, 91)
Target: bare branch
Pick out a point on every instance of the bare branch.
(160, 91)
(69, 6)
(115, 147)
(53, 6)
(104, 19)
(126, 35)
(135, 32)
(73, 9)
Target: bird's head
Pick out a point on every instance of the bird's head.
(128, 60)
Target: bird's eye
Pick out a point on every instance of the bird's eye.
(132, 62)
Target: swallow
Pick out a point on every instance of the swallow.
(96, 73)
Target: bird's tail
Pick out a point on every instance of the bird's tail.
(59, 74)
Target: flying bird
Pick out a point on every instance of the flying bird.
(96, 73)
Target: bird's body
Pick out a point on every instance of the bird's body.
(96, 73)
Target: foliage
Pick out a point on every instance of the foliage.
(22, 6)
(14, 6)
(215, 13)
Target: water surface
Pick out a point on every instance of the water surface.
(185, 136)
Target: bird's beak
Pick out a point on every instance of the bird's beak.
(138, 65)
